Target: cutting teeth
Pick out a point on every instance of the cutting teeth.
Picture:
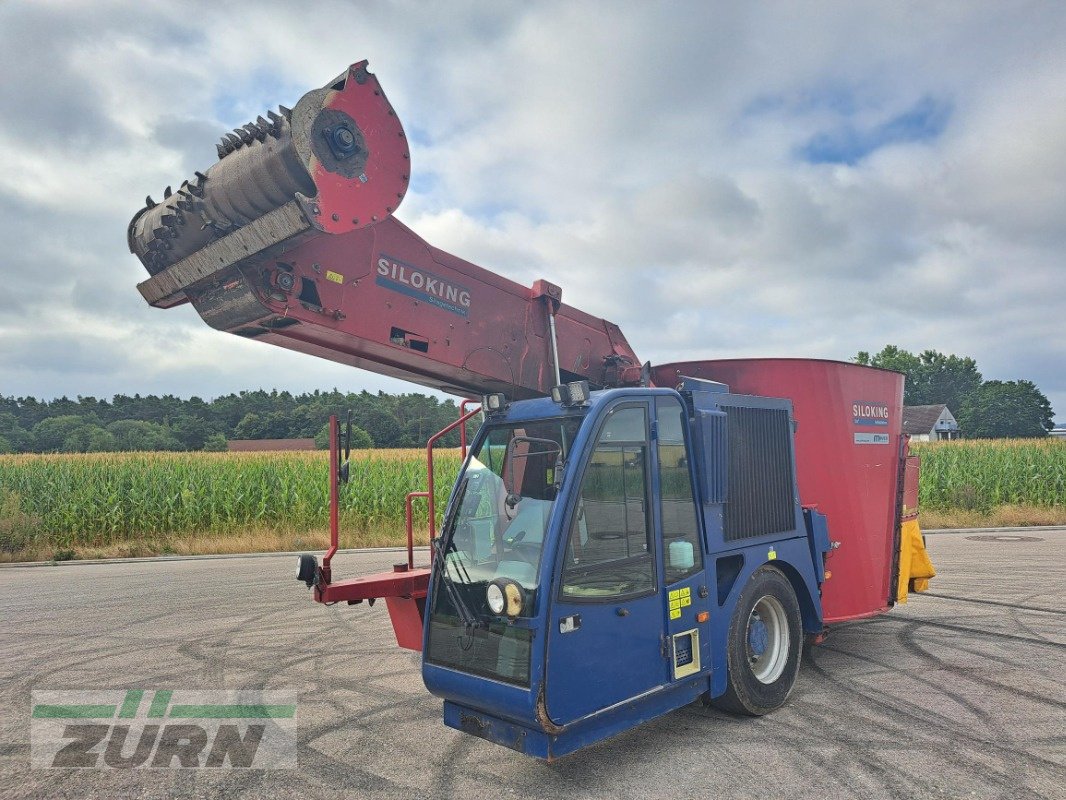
(172, 234)
(276, 121)
(253, 130)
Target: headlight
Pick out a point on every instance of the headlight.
(505, 597)
(494, 596)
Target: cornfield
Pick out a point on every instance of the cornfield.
(985, 473)
(100, 499)
(97, 499)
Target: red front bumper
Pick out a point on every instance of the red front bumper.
(404, 591)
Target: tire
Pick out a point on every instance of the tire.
(764, 645)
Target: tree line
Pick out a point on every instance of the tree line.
(984, 409)
(149, 422)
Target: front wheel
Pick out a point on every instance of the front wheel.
(764, 645)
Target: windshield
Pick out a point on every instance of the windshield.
(496, 529)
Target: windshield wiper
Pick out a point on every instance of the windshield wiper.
(469, 619)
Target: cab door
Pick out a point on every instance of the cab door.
(688, 641)
(606, 623)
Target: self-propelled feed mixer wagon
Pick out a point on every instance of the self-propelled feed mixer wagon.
(623, 539)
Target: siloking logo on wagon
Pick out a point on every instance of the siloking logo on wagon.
(870, 413)
(864, 412)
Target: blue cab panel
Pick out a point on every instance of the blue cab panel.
(628, 529)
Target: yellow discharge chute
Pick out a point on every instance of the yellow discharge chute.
(915, 568)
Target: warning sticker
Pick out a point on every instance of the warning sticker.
(336, 277)
(679, 599)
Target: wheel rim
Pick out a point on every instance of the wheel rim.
(767, 639)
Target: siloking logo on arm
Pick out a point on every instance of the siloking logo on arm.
(163, 729)
(415, 282)
(865, 412)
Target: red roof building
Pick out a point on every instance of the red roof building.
(268, 445)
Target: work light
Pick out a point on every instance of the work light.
(579, 392)
(571, 394)
(494, 403)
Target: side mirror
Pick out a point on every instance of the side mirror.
(344, 455)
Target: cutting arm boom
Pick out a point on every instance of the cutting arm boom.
(290, 239)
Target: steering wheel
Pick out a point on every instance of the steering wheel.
(530, 553)
(604, 585)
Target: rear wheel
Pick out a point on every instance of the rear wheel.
(764, 645)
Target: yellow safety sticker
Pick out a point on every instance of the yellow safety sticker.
(771, 555)
(675, 614)
(675, 603)
(686, 601)
(675, 593)
(336, 277)
(686, 592)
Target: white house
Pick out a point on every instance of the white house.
(930, 423)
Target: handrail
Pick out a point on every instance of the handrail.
(462, 431)
(429, 494)
(409, 519)
(334, 496)
(429, 466)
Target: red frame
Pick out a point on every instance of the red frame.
(405, 587)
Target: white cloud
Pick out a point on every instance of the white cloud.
(644, 157)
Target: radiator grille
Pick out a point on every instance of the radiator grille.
(712, 428)
(760, 499)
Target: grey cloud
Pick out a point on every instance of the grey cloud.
(44, 96)
(192, 138)
(643, 160)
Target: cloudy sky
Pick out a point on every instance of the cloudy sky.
(721, 179)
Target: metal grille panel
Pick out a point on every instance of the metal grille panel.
(712, 427)
(760, 499)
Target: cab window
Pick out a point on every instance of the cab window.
(609, 552)
(681, 540)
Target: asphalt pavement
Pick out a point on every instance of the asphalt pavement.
(959, 693)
